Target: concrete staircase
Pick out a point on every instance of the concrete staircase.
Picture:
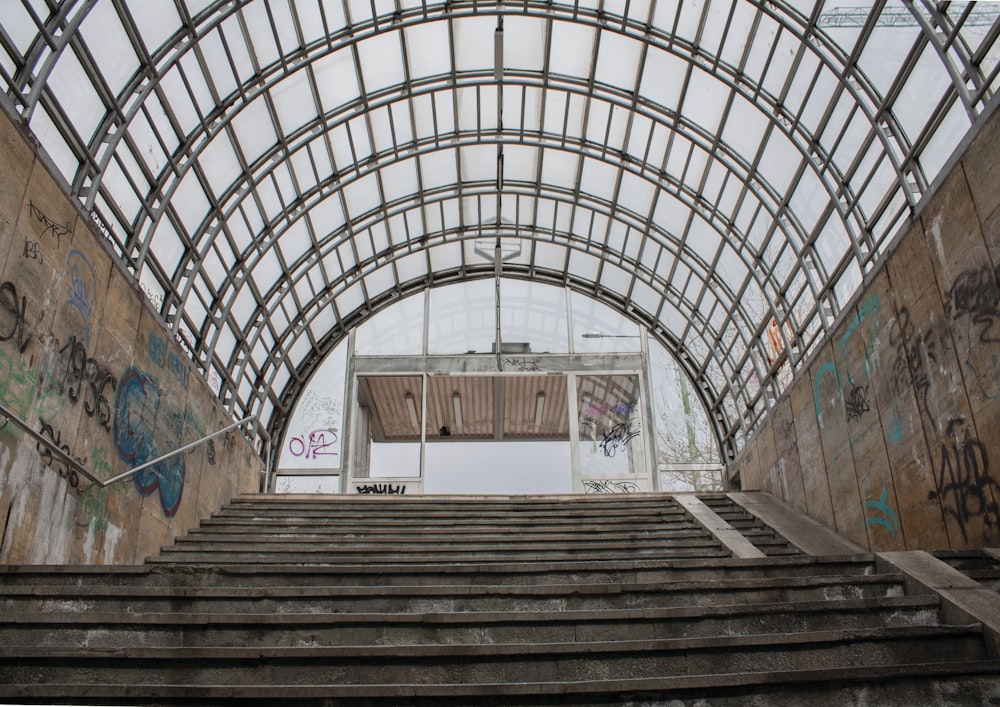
(451, 600)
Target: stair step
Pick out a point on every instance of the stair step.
(516, 597)
(99, 630)
(507, 662)
(628, 570)
(655, 538)
(452, 601)
(484, 554)
(957, 684)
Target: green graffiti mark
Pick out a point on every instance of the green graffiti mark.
(99, 460)
(95, 501)
(22, 388)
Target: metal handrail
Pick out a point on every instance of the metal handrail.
(10, 416)
(163, 457)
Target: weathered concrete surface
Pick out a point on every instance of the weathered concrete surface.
(86, 361)
(963, 599)
(710, 520)
(894, 417)
(390, 599)
(802, 531)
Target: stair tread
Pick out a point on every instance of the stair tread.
(401, 651)
(576, 589)
(472, 616)
(632, 686)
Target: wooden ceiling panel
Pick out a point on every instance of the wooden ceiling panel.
(475, 407)
(528, 416)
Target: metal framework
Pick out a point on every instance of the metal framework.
(275, 172)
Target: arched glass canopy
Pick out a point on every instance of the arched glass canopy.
(722, 172)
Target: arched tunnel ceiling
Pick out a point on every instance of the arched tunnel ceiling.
(274, 172)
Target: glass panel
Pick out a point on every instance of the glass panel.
(685, 443)
(462, 319)
(599, 329)
(611, 440)
(307, 484)
(498, 468)
(535, 315)
(395, 461)
(396, 331)
(314, 438)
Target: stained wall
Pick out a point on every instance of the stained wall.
(87, 362)
(891, 434)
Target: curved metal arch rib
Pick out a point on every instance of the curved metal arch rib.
(703, 388)
(219, 299)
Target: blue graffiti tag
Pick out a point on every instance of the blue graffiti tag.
(891, 521)
(82, 288)
(823, 370)
(137, 412)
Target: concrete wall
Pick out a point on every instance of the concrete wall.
(890, 435)
(85, 360)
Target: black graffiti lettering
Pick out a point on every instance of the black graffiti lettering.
(382, 489)
(617, 438)
(964, 482)
(522, 364)
(915, 349)
(857, 403)
(610, 486)
(45, 452)
(103, 406)
(51, 227)
(13, 322)
(976, 294)
(75, 368)
(32, 250)
(81, 369)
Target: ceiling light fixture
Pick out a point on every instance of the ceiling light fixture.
(411, 406)
(456, 403)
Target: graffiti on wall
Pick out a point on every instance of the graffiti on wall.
(884, 516)
(851, 396)
(618, 437)
(142, 431)
(54, 463)
(915, 351)
(162, 356)
(49, 227)
(609, 486)
(964, 483)
(856, 404)
(974, 301)
(32, 250)
(14, 322)
(86, 380)
(44, 382)
(315, 444)
(81, 289)
(381, 489)
(520, 363)
(917, 359)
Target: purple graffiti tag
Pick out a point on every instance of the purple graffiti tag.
(317, 443)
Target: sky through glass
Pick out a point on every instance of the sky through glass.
(721, 172)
